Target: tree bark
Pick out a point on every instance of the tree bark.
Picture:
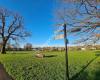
(3, 49)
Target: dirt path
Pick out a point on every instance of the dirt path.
(3, 74)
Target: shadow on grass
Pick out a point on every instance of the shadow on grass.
(97, 53)
(97, 72)
(97, 75)
(49, 56)
(84, 74)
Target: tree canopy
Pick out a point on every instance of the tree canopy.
(82, 18)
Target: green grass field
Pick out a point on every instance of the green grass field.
(83, 65)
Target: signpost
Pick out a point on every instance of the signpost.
(64, 36)
(61, 36)
(66, 52)
(97, 35)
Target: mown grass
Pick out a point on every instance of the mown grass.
(83, 65)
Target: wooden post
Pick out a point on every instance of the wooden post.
(66, 53)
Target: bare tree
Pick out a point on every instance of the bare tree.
(28, 46)
(11, 27)
(82, 18)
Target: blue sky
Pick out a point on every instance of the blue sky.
(38, 18)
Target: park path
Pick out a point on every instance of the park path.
(3, 74)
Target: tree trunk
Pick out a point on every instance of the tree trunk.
(3, 49)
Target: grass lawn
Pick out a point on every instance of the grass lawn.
(83, 65)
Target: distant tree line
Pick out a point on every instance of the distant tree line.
(13, 47)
